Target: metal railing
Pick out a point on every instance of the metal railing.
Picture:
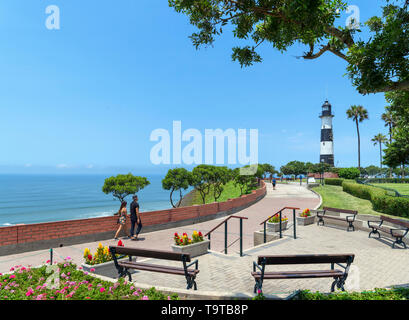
(280, 213)
(225, 233)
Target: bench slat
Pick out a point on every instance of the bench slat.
(157, 254)
(306, 259)
(395, 221)
(156, 268)
(299, 274)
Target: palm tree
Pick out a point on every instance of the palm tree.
(358, 114)
(379, 139)
(390, 121)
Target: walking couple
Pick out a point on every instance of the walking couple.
(135, 218)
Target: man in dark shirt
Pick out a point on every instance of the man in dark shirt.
(135, 218)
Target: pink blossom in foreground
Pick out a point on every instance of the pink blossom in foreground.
(145, 298)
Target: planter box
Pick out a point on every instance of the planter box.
(195, 249)
(259, 237)
(106, 269)
(305, 221)
(275, 227)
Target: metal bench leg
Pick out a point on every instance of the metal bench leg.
(339, 283)
(374, 232)
(320, 220)
(191, 283)
(399, 241)
(351, 226)
(258, 286)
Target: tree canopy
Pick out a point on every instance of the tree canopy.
(177, 179)
(123, 185)
(377, 64)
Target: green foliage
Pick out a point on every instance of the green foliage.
(246, 183)
(177, 180)
(334, 181)
(349, 173)
(380, 198)
(377, 64)
(74, 284)
(219, 177)
(396, 293)
(123, 185)
(202, 178)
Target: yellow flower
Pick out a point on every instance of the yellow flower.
(100, 245)
(195, 232)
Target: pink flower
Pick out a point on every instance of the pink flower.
(11, 269)
(12, 276)
(168, 297)
(145, 298)
(29, 292)
(102, 290)
(87, 297)
(92, 270)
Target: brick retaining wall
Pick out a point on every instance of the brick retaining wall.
(22, 238)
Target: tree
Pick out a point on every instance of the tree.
(244, 182)
(397, 153)
(202, 180)
(268, 169)
(390, 121)
(379, 139)
(358, 114)
(176, 180)
(373, 170)
(123, 185)
(349, 173)
(219, 177)
(376, 64)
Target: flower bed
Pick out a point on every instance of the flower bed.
(195, 246)
(69, 283)
(305, 218)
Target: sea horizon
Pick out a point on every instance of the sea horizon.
(50, 197)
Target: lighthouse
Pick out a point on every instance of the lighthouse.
(327, 138)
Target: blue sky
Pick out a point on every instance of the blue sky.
(85, 98)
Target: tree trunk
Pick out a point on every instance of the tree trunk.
(359, 146)
(171, 200)
(380, 152)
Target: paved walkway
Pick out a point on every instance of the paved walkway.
(377, 263)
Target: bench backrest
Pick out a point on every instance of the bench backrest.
(156, 254)
(340, 210)
(307, 259)
(395, 221)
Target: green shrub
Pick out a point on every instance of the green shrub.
(362, 191)
(377, 294)
(349, 173)
(334, 181)
(388, 180)
(395, 206)
(381, 201)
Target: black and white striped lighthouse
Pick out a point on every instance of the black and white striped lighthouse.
(327, 137)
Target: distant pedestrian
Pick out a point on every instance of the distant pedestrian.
(274, 183)
(135, 218)
(121, 219)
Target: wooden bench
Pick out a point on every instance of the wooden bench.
(350, 218)
(339, 276)
(123, 267)
(397, 233)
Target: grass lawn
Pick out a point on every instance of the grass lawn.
(402, 188)
(333, 196)
(229, 192)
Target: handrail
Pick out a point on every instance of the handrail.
(224, 222)
(225, 233)
(280, 213)
(291, 208)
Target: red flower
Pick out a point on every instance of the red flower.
(89, 257)
(176, 234)
(120, 244)
(200, 234)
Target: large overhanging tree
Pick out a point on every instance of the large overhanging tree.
(378, 64)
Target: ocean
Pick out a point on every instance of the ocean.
(26, 199)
